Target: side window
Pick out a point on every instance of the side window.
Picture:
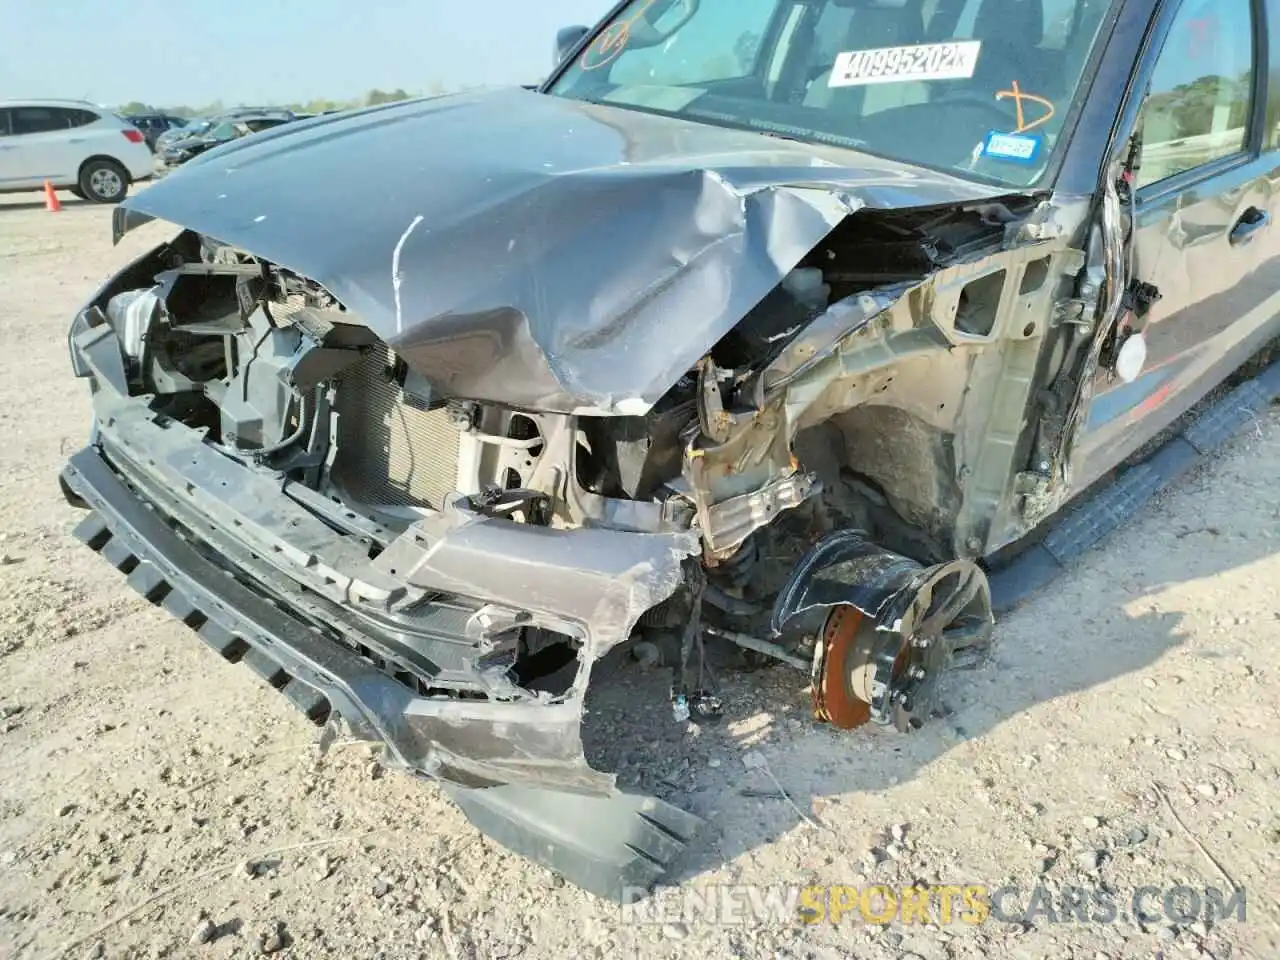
(696, 52)
(36, 120)
(1201, 91)
(4, 122)
(78, 118)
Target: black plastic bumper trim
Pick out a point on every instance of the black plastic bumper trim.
(608, 845)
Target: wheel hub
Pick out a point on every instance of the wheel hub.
(863, 671)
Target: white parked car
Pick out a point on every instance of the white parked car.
(76, 145)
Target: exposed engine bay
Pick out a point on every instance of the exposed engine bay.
(792, 428)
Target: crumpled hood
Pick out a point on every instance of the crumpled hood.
(531, 250)
(188, 143)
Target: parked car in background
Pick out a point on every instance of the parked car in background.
(75, 145)
(199, 126)
(178, 152)
(154, 124)
(193, 127)
(259, 111)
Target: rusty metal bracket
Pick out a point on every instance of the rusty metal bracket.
(726, 525)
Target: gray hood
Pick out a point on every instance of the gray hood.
(531, 250)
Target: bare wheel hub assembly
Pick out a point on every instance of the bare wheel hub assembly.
(887, 670)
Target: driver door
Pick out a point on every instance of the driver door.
(1205, 204)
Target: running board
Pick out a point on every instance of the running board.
(1085, 526)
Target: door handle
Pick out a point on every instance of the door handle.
(1248, 226)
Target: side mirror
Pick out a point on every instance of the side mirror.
(567, 38)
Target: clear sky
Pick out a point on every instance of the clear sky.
(263, 51)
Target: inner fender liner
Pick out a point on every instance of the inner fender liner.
(845, 567)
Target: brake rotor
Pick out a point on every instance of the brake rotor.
(838, 670)
(862, 672)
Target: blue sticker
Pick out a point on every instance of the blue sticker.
(1016, 147)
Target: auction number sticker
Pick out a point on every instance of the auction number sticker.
(926, 61)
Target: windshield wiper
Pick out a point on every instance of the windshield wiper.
(779, 131)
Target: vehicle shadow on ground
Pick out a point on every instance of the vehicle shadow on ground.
(712, 772)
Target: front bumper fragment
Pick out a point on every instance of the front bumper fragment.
(607, 843)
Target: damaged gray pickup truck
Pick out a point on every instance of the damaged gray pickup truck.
(768, 323)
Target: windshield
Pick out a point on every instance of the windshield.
(978, 86)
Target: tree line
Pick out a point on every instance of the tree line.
(370, 99)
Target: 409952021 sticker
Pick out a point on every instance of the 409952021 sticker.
(925, 61)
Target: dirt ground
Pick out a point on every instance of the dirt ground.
(153, 796)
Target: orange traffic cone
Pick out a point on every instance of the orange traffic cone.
(50, 198)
